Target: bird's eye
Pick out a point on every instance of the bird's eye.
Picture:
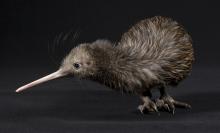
(76, 65)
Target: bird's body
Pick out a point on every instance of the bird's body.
(155, 53)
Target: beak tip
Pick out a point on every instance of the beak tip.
(17, 91)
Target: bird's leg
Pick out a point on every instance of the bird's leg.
(167, 103)
(148, 105)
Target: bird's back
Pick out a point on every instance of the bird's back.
(163, 45)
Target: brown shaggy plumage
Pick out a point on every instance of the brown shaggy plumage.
(156, 51)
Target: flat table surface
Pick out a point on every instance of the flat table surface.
(74, 105)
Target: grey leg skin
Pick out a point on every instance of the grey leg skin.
(167, 103)
(148, 105)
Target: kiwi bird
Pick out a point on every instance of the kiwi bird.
(155, 53)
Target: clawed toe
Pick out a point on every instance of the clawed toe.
(167, 103)
(148, 108)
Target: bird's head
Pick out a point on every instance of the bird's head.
(79, 62)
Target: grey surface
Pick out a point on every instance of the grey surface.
(73, 105)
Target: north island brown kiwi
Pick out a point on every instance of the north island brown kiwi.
(153, 54)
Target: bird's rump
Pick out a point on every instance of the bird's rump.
(161, 42)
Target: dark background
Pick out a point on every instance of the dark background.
(35, 35)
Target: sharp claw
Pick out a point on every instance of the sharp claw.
(167, 107)
(189, 106)
(173, 111)
(155, 108)
(141, 108)
(150, 107)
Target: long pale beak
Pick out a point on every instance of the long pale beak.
(57, 74)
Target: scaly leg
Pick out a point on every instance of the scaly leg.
(148, 105)
(168, 103)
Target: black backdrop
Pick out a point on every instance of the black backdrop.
(33, 41)
(28, 25)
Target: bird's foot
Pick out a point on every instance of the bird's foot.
(168, 103)
(148, 107)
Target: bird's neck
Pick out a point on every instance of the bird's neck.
(113, 67)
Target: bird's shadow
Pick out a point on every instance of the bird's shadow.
(103, 105)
